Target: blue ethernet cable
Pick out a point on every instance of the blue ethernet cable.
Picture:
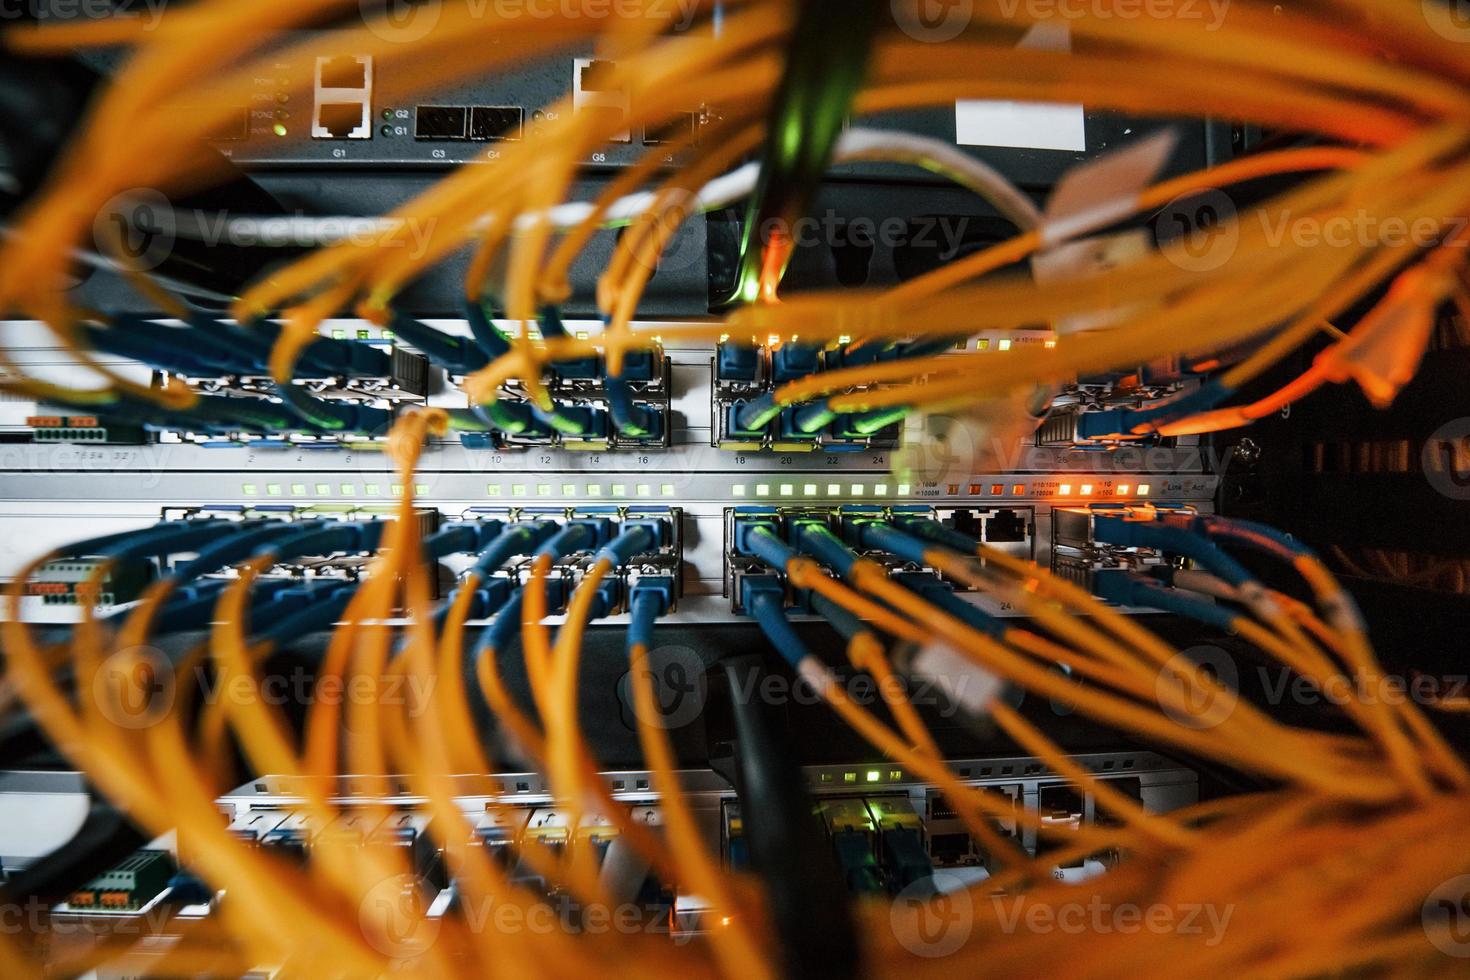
(765, 600)
(458, 537)
(1338, 605)
(295, 541)
(192, 608)
(487, 335)
(334, 416)
(1142, 421)
(326, 356)
(167, 538)
(574, 537)
(455, 354)
(315, 617)
(813, 417)
(136, 345)
(320, 613)
(649, 598)
(1126, 589)
(632, 420)
(239, 546)
(513, 418)
(1147, 534)
(756, 414)
(822, 544)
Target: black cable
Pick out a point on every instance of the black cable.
(806, 891)
(105, 838)
(825, 63)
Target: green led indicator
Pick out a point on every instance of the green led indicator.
(809, 490)
(373, 490)
(903, 489)
(568, 489)
(834, 490)
(787, 489)
(273, 489)
(279, 129)
(880, 489)
(543, 489)
(420, 488)
(643, 490)
(857, 489)
(738, 490)
(323, 490)
(667, 489)
(763, 490)
(493, 490)
(594, 489)
(348, 490)
(519, 490)
(298, 489)
(248, 489)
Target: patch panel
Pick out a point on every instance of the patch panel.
(890, 830)
(579, 389)
(662, 557)
(843, 529)
(745, 418)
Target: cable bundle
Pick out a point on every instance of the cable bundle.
(1368, 818)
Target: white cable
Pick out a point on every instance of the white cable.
(856, 146)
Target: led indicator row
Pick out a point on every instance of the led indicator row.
(327, 490)
(617, 490)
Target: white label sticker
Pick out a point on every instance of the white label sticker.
(1026, 125)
